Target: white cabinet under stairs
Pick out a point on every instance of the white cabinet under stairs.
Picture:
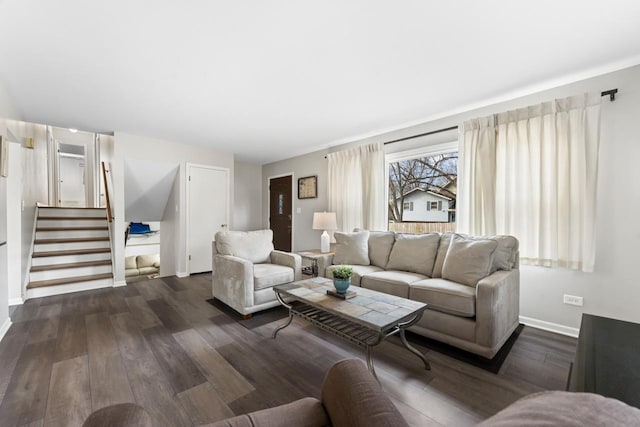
(71, 252)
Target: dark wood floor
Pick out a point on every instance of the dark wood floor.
(160, 344)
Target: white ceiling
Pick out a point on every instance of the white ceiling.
(272, 79)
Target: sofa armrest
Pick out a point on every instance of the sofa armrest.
(353, 397)
(324, 261)
(307, 412)
(497, 306)
(289, 260)
(233, 281)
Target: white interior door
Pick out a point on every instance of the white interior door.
(72, 187)
(208, 204)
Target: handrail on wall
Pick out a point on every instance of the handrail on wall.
(106, 192)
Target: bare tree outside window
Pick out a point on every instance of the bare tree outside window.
(428, 185)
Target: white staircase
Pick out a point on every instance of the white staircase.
(71, 252)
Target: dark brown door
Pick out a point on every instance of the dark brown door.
(280, 204)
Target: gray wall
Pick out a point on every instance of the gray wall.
(612, 290)
(310, 164)
(247, 200)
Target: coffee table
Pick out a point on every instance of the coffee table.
(367, 319)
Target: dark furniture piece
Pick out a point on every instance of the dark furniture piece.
(607, 359)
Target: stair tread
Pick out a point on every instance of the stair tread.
(70, 240)
(71, 218)
(67, 280)
(72, 228)
(71, 207)
(71, 252)
(70, 265)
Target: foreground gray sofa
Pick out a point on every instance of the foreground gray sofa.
(246, 267)
(351, 397)
(471, 285)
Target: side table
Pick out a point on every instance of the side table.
(312, 255)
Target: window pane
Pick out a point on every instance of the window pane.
(429, 181)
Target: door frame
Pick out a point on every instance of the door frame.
(187, 209)
(293, 202)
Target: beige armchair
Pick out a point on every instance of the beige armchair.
(246, 267)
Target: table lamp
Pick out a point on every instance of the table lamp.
(324, 221)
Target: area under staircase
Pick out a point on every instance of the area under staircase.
(71, 251)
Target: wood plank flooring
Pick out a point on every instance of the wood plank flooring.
(160, 344)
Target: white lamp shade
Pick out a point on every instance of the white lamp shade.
(325, 221)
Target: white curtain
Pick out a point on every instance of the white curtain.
(356, 187)
(532, 173)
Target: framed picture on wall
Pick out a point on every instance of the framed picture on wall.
(308, 187)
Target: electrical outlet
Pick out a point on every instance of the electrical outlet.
(573, 300)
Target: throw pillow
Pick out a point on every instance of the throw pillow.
(380, 244)
(468, 260)
(414, 252)
(351, 248)
(445, 238)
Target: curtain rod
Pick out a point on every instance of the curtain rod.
(610, 93)
(422, 134)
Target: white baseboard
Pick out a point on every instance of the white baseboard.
(551, 327)
(182, 274)
(5, 327)
(15, 301)
(119, 283)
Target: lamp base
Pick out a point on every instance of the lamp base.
(324, 242)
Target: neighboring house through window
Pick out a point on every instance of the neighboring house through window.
(422, 189)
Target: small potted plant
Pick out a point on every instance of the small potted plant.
(342, 278)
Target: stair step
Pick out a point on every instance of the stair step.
(70, 265)
(71, 252)
(72, 229)
(66, 280)
(70, 223)
(74, 240)
(74, 218)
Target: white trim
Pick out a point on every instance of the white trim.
(119, 283)
(551, 327)
(27, 275)
(181, 274)
(5, 327)
(293, 201)
(188, 206)
(16, 301)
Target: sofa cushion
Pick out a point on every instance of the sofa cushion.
(380, 244)
(414, 252)
(254, 246)
(268, 275)
(148, 270)
(130, 272)
(391, 282)
(358, 272)
(468, 260)
(148, 260)
(443, 247)
(446, 296)
(130, 263)
(351, 248)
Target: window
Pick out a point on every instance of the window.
(430, 177)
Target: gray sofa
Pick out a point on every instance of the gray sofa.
(246, 267)
(471, 284)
